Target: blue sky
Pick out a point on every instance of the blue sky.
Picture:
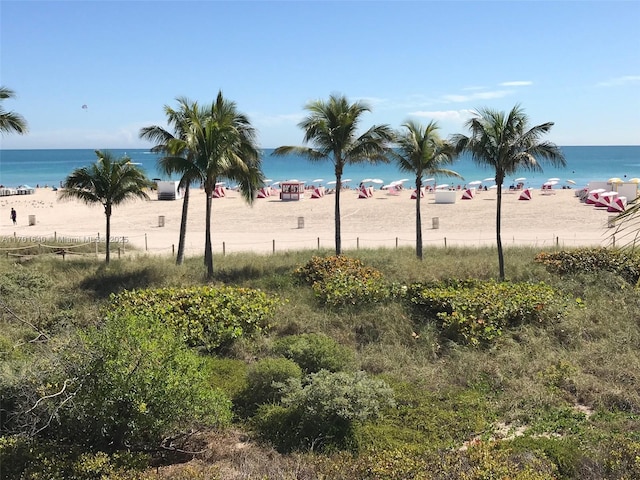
(575, 63)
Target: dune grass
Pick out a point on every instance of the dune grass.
(576, 379)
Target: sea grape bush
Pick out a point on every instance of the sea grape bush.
(314, 352)
(319, 269)
(340, 281)
(206, 317)
(476, 312)
(592, 260)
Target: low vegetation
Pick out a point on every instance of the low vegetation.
(306, 365)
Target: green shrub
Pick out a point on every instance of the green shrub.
(263, 379)
(320, 413)
(314, 352)
(565, 453)
(26, 459)
(593, 260)
(341, 281)
(130, 384)
(208, 317)
(483, 461)
(319, 269)
(475, 312)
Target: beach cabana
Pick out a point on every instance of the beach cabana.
(617, 205)
(525, 194)
(292, 190)
(168, 190)
(318, 192)
(468, 194)
(414, 194)
(25, 190)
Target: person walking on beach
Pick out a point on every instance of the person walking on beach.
(14, 216)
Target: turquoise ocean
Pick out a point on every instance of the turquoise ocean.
(584, 164)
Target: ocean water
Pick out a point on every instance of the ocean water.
(584, 165)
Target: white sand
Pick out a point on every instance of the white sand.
(381, 220)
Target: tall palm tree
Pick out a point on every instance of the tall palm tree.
(507, 144)
(10, 121)
(221, 143)
(331, 127)
(178, 158)
(108, 182)
(421, 152)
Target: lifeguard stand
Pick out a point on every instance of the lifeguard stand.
(292, 190)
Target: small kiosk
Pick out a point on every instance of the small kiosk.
(292, 190)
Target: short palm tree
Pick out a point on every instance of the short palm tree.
(177, 157)
(507, 143)
(10, 121)
(422, 152)
(220, 144)
(108, 182)
(332, 127)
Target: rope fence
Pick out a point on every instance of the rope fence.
(122, 245)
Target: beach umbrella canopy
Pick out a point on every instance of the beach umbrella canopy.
(634, 180)
(615, 180)
(475, 182)
(332, 182)
(521, 179)
(318, 180)
(550, 183)
(346, 180)
(366, 180)
(218, 184)
(377, 180)
(429, 179)
(489, 179)
(571, 182)
(443, 185)
(554, 179)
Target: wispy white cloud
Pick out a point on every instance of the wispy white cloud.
(445, 115)
(517, 83)
(620, 81)
(477, 96)
(261, 119)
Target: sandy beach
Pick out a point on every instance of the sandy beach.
(381, 221)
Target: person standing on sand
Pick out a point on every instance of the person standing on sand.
(14, 216)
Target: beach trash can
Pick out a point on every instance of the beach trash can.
(435, 222)
(161, 221)
(32, 219)
(300, 222)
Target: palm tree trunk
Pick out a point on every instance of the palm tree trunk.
(183, 226)
(208, 253)
(418, 226)
(107, 212)
(498, 237)
(337, 215)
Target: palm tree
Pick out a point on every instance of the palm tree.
(178, 158)
(421, 152)
(219, 142)
(10, 121)
(507, 144)
(332, 127)
(108, 182)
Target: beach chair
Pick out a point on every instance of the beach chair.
(414, 193)
(218, 192)
(468, 194)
